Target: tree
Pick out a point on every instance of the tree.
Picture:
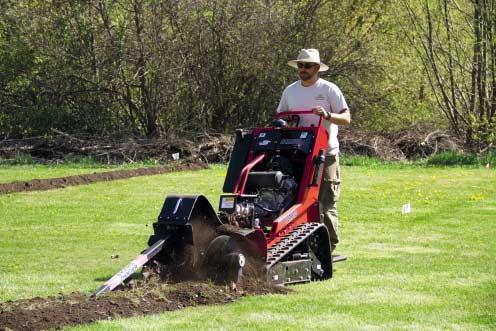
(154, 68)
(456, 42)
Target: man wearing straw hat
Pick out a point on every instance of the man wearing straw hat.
(326, 100)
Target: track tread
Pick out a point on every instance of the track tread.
(289, 242)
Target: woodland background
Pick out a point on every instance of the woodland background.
(149, 68)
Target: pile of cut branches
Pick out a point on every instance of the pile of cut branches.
(400, 145)
(62, 146)
(210, 148)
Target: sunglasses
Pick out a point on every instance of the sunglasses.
(306, 65)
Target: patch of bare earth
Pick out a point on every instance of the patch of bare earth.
(146, 297)
(61, 182)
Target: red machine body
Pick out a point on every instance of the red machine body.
(303, 149)
(305, 208)
(268, 215)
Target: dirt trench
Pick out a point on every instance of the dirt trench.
(61, 182)
(145, 297)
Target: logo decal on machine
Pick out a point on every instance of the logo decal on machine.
(291, 216)
(290, 141)
(227, 203)
(264, 142)
(178, 203)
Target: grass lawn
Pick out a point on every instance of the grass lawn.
(432, 269)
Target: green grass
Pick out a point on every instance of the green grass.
(23, 168)
(450, 159)
(453, 158)
(432, 269)
(358, 160)
(70, 160)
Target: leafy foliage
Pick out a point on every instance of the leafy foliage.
(167, 67)
(455, 41)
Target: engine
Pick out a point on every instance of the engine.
(268, 194)
(272, 202)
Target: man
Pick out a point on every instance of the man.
(326, 100)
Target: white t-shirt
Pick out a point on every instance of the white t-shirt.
(322, 93)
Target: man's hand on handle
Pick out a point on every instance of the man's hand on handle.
(321, 112)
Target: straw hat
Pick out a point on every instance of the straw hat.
(308, 55)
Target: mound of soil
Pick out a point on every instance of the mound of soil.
(61, 182)
(144, 298)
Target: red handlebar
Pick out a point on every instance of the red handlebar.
(297, 112)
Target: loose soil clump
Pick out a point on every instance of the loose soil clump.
(142, 298)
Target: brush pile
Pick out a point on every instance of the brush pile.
(62, 146)
(401, 145)
(208, 148)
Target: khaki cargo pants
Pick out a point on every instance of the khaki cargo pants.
(329, 196)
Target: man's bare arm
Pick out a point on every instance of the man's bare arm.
(343, 118)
